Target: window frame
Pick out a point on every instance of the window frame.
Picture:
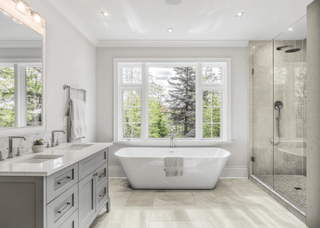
(198, 63)
(20, 95)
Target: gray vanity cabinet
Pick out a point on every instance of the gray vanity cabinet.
(87, 188)
(93, 188)
(69, 198)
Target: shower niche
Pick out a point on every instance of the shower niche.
(278, 116)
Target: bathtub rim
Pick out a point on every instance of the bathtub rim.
(227, 155)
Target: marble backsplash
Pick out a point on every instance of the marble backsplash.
(25, 145)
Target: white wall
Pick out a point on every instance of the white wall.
(237, 164)
(70, 60)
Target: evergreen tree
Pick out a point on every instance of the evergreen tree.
(182, 102)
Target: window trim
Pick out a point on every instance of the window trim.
(198, 62)
(19, 65)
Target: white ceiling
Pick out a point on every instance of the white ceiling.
(192, 20)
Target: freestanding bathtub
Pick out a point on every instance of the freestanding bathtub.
(144, 167)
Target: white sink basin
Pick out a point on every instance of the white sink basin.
(40, 158)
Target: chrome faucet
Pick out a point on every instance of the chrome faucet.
(172, 136)
(52, 137)
(10, 154)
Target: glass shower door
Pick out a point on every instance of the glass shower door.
(290, 117)
(262, 113)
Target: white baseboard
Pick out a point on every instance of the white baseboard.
(235, 171)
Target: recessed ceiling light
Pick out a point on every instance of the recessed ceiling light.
(105, 14)
(290, 29)
(170, 30)
(240, 14)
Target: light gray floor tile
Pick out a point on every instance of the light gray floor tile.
(183, 224)
(232, 203)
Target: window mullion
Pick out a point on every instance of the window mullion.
(199, 103)
(144, 103)
(23, 95)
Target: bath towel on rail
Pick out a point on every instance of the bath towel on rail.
(77, 119)
(173, 166)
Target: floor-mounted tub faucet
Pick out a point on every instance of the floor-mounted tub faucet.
(10, 154)
(52, 136)
(172, 136)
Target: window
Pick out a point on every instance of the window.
(192, 97)
(20, 95)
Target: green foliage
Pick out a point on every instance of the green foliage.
(7, 105)
(33, 96)
(179, 109)
(38, 142)
(131, 114)
(157, 121)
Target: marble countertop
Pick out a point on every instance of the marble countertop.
(18, 166)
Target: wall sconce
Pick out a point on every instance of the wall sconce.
(22, 12)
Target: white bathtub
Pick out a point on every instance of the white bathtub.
(144, 167)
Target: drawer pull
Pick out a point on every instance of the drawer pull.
(65, 207)
(64, 181)
(102, 175)
(102, 195)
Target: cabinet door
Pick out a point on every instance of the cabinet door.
(87, 202)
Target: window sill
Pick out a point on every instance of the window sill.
(177, 143)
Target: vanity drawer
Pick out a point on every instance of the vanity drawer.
(102, 175)
(71, 222)
(59, 182)
(101, 195)
(91, 163)
(60, 209)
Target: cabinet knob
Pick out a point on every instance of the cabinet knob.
(96, 174)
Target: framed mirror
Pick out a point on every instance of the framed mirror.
(22, 69)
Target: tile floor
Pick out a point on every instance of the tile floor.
(285, 186)
(234, 203)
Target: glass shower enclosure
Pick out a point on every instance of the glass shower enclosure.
(277, 100)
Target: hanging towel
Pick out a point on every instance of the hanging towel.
(77, 119)
(173, 166)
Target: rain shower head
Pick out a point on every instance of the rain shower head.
(291, 49)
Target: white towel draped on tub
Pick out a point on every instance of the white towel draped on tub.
(173, 166)
(77, 119)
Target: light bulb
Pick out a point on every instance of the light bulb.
(170, 30)
(21, 7)
(37, 18)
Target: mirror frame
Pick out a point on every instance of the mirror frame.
(9, 7)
